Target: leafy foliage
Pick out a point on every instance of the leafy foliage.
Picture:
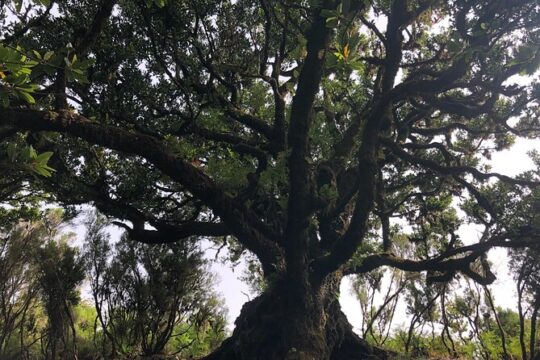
(151, 300)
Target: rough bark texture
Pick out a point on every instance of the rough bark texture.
(276, 326)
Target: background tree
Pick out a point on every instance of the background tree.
(471, 329)
(18, 286)
(147, 297)
(40, 283)
(299, 130)
(60, 274)
(42, 315)
(525, 268)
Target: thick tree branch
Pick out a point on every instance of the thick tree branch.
(87, 41)
(450, 260)
(256, 236)
(175, 233)
(453, 170)
(300, 195)
(82, 45)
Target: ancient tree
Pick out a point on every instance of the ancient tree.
(298, 131)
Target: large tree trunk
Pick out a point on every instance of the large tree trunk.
(287, 324)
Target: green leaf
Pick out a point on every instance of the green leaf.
(76, 75)
(26, 97)
(331, 22)
(12, 152)
(18, 5)
(331, 60)
(45, 171)
(326, 13)
(48, 55)
(32, 154)
(158, 3)
(357, 65)
(354, 40)
(85, 64)
(44, 157)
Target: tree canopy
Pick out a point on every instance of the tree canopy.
(319, 136)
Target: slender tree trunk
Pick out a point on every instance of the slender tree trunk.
(104, 325)
(498, 321)
(417, 318)
(521, 319)
(410, 334)
(532, 340)
(446, 328)
(73, 347)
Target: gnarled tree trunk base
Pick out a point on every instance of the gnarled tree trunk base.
(270, 327)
